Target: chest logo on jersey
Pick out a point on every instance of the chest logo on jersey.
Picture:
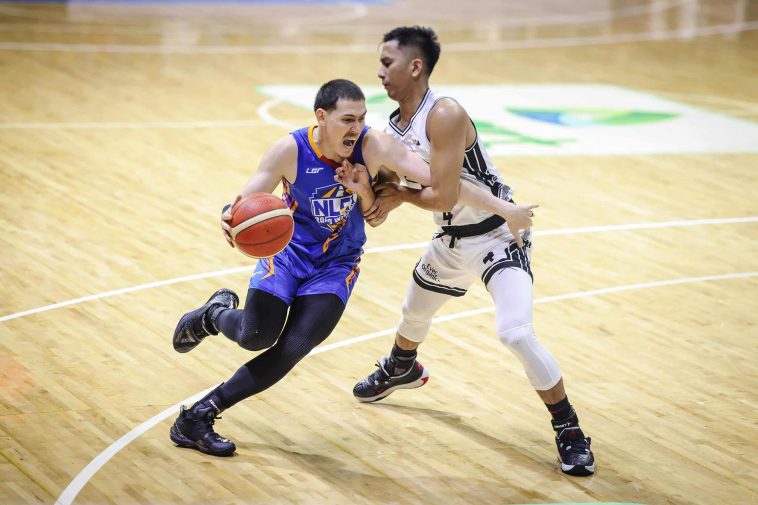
(331, 205)
(313, 170)
(412, 143)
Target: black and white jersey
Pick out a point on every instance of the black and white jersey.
(477, 165)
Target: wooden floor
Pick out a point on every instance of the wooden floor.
(125, 127)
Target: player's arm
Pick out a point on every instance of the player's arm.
(440, 179)
(355, 177)
(446, 127)
(279, 162)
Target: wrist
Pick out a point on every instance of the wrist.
(366, 194)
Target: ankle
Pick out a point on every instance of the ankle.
(401, 360)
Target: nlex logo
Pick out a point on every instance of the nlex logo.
(330, 205)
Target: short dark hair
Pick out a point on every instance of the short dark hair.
(420, 37)
(330, 92)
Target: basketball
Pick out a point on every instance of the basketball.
(262, 225)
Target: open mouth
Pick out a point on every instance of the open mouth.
(349, 143)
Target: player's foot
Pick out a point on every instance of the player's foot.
(381, 383)
(574, 452)
(194, 428)
(194, 326)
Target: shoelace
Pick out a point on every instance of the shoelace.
(577, 446)
(382, 372)
(208, 421)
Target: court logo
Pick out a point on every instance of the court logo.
(330, 205)
(578, 118)
(571, 120)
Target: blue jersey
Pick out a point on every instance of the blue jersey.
(327, 244)
(327, 216)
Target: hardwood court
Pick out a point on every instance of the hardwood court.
(125, 127)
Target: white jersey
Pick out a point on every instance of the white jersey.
(477, 165)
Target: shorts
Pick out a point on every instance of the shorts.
(451, 270)
(288, 276)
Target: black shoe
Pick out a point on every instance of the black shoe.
(574, 452)
(381, 383)
(194, 428)
(194, 326)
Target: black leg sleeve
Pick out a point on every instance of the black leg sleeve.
(258, 325)
(312, 318)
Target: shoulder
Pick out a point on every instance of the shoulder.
(285, 148)
(447, 109)
(280, 159)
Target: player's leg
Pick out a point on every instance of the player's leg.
(437, 277)
(511, 289)
(258, 325)
(195, 325)
(311, 319)
(275, 276)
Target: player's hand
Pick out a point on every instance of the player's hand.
(519, 217)
(226, 219)
(354, 177)
(388, 197)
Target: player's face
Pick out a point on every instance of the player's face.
(343, 126)
(395, 69)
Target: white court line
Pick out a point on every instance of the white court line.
(263, 112)
(327, 24)
(701, 31)
(222, 123)
(372, 250)
(77, 484)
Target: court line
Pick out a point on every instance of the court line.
(267, 117)
(222, 123)
(574, 19)
(660, 35)
(358, 11)
(380, 249)
(77, 484)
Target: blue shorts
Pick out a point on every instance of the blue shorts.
(287, 275)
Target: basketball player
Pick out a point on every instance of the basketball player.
(296, 298)
(469, 243)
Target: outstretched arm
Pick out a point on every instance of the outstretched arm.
(517, 217)
(392, 155)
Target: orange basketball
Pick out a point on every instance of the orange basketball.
(262, 225)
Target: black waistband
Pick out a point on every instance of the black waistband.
(472, 230)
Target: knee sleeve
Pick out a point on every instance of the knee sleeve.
(418, 310)
(414, 330)
(540, 366)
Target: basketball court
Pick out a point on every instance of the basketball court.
(126, 126)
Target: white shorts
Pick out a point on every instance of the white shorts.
(445, 271)
(451, 270)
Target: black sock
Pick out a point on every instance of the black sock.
(562, 412)
(211, 318)
(216, 399)
(402, 360)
